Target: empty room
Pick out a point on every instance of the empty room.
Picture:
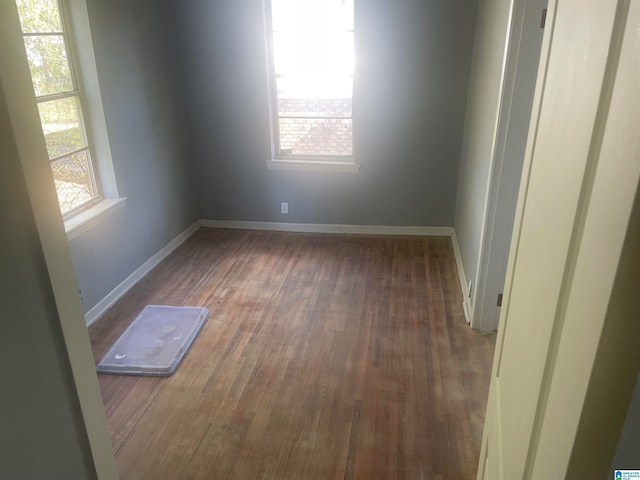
(405, 237)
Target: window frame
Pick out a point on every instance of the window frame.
(88, 129)
(290, 161)
(76, 94)
(79, 42)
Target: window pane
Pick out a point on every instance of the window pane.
(49, 65)
(304, 136)
(309, 53)
(287, 53)
(313, 48)
(314, 107)
(337, 14)
(74, 180)
(337, 53)
(314, 87)
(285, 14)
(39, 16)
(316, 15)
(61, 126)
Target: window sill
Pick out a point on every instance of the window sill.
(80, 223)
(313, 165)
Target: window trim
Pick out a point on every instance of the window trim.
(76, 67)
(313, 165)
(89, 217)
(79, 44)
(279, 161)
(94, 118)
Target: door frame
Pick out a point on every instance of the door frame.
(25, 120)
(564, 382)
(519, 79)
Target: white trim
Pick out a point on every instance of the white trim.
(490, 181)
(83, 221)
(464, 285)
(114, 295)
(494, 149)
(498, 224)
(330, 228)
(310, 165)
(86, 71)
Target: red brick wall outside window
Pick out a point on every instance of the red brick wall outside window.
(315, 136)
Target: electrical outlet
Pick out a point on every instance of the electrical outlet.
(284, 207)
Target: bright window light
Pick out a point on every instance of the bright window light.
(312, 62)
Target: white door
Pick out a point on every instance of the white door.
(578, 189)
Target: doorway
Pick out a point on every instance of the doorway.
(525, 42)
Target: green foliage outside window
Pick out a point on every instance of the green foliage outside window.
(58, 101)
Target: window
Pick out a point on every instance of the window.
(62, 113)
(311, 60)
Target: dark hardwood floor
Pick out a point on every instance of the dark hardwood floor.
(323, 357)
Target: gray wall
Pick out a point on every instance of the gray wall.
(480, 129)
(136, 60)
(42, 433)
(413, 60)
(185, 98)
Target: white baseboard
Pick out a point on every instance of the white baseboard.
(464, 285)
(330, 228)
(114, 295)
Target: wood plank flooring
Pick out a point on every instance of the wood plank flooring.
(323, 357)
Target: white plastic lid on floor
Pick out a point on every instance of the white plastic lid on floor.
(155, 342)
